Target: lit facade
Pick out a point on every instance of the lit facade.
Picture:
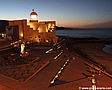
(33, 30)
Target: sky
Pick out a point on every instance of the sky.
(67, 13)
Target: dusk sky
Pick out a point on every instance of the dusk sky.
(67, 13)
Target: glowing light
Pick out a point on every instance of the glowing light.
(31, 25)
(47, 41)
(93, 81)
(62, 68)
(56, 76)
(22, 48)
(94, 87)
(21, 34)
(59, 72)
(53, 26)
(52, 81)
(49, 26)
(33, 17)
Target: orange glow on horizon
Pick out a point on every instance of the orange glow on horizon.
(105, 24)
(68, 25)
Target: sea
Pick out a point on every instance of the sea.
(100, 34)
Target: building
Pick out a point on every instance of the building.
(3, 24)
(33, 30)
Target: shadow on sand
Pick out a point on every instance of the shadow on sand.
(60, 82)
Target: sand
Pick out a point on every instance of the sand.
(83, 50)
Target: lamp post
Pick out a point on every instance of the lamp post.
(93, 82)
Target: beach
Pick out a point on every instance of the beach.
(84, 53)
(92, 49)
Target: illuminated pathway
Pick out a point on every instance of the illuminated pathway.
(49, 50)
(59, 72)
(58, 55)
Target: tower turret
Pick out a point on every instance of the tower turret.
(33, 16)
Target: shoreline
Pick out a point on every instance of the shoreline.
(86, 38)
(91, 50)
(105, 42)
